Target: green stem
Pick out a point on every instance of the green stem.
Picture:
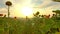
(8, 11)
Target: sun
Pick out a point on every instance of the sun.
(27, 11)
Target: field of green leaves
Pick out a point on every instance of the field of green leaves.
(29, 26)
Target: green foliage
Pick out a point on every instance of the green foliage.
(57, 11)
(30, 26)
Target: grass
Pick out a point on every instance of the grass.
(23, 26)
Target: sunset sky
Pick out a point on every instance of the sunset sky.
(19, 6)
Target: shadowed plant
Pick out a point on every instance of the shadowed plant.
(8, 3)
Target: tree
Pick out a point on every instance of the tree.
(8, 3)
(57, 12)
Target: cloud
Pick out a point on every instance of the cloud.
(48, 10)
(45, 3)
(3, 10)
(48, 4)
(53, 7)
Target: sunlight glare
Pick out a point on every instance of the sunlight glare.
(27, 11)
